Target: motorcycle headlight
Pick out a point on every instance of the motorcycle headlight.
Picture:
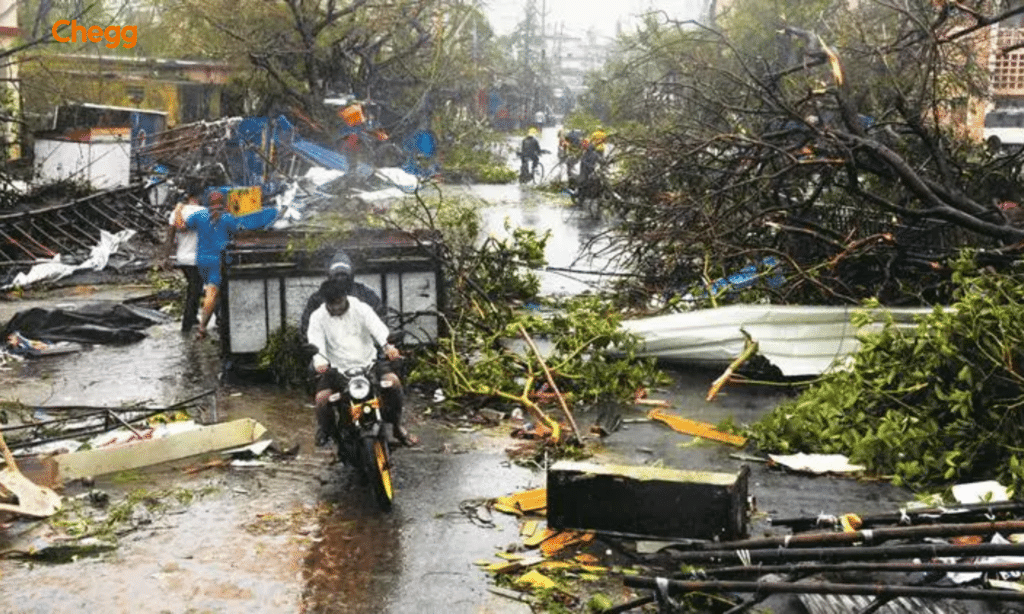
(359, 388)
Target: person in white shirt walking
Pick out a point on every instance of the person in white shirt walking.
(186, 242)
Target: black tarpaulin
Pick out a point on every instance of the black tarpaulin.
(103, 323)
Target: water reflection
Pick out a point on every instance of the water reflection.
(147, 372)
(572, 269)
(352, 567)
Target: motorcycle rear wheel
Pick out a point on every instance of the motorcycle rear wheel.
(377, 457)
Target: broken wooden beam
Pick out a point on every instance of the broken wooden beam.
(697, 429)
(202, 439)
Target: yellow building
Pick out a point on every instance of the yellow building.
(186, 90)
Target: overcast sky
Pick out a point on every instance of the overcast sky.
(579, 15)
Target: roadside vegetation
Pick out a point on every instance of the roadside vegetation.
(471, 151)
(829, 138)
(938, 406)
(505, 346)
(825, 135)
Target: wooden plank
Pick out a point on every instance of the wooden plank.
(88, 463)
(522, 502)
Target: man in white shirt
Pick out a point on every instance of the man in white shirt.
(186, 242)
(346, 333)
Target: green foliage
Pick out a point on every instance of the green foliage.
(938, 406)
(466, 163)
(582, 120)
(285, 356)
(469, 150)
(484, 358)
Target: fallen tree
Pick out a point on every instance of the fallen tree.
(494, 308)
(939, 406)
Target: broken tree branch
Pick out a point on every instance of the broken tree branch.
(749, 349)
(551, 382)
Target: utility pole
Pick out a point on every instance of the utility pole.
(534, 36)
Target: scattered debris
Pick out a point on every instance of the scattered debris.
(491, 415)
(535, 579)
(815, 463)
(79, 234)
(607, 423)
(980, 492)
(524, 502)
(698, 429)
(516, 595)
(31, 499)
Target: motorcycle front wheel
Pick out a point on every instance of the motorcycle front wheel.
(378, 460)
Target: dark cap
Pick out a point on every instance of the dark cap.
(341, 264)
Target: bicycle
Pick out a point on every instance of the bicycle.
(528, 175)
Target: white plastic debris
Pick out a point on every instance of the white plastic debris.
(980, 492)
(816, 463)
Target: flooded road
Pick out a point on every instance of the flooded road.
(297, 532)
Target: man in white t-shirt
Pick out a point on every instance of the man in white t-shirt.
(346, 333)
(186, 242)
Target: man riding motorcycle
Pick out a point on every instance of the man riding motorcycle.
(346, 333)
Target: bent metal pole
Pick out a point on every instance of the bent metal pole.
(848, 553)
(908, 516)
(809, 568)
(873, 535)
(823, 588)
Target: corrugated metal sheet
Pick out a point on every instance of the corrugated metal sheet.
(799, 340)
(851, 604)
(318, 155)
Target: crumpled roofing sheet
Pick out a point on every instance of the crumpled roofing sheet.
(799, 340)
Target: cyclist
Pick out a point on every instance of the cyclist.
(529, 151)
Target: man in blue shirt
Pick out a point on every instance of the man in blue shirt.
(215, 228)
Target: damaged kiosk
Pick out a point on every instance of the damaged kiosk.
(271, 274)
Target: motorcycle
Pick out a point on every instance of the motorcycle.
(361, 435)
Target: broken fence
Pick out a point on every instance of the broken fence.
(74, 228)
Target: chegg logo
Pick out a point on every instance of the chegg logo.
(126, 36)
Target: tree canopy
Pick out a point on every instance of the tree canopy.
(832, 136)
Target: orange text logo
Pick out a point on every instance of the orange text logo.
(126, 36)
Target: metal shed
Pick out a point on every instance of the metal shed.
(271, 274)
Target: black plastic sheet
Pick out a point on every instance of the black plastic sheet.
(98, 323)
